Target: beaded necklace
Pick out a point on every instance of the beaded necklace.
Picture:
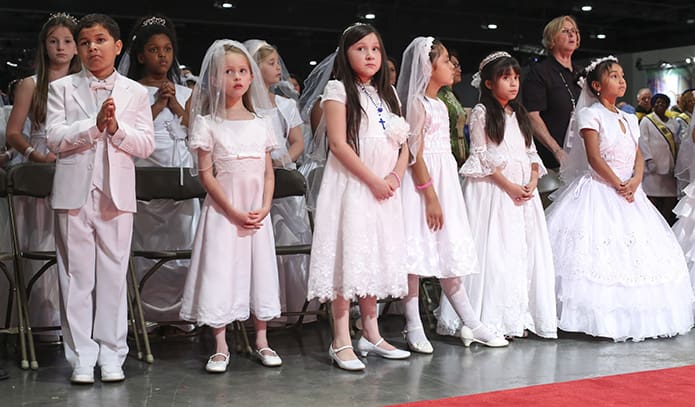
(379, 107)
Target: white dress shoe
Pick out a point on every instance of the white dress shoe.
(365, 348)
(112, 374)
(82, 375)
(217, 366)
(422, 346)
(270, 360)
(352, 365)
(468, 337)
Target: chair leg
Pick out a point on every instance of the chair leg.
(426, 304)
(245, 338)
(132, 322)
(10, 295)
(140, 315)
(23, 309)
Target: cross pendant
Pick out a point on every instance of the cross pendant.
(383, 123)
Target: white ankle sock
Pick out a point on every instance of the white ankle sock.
(413, 324)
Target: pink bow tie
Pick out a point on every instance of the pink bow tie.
(99, 85)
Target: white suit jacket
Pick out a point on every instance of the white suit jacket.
(72, 131)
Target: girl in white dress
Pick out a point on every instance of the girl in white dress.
(288, 215)
(620, 271)
(162, 224)
(358, 247)
(438, 236)
(26, 133)
(233, 271)
(515, 289)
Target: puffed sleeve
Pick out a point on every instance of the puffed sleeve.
(335, 90)
(536, 159)
(201, 135)
(482, 162)
(270, 142)
(588, 118)
(291, 112)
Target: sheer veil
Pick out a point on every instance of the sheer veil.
(316, 142)
(416, 70)
(577, 163)
(208, 97)
(284, 86)
(314, 84)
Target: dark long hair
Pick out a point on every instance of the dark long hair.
(494, 116)
(597, 73)
(139, 37)
(39, 99)
(343, 72)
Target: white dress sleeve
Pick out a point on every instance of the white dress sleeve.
(335, 90)
(482, 162)
(536, 159)
(201, 136)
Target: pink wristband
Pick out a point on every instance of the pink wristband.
(425, 185)
(398, 178)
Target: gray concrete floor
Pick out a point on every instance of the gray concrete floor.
(177, 377)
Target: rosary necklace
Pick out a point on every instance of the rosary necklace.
(379, 107)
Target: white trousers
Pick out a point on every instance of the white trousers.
(93, 248)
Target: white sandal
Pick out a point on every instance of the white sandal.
(217, 366)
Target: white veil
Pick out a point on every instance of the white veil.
(208, 95)
(315, 142)
(416, 70)
(284, 87)
(577, 163)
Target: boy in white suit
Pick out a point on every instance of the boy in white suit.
(97, 121)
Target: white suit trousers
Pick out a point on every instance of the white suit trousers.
(93, 248)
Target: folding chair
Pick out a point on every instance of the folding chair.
(36, 180)
(292, 183)
(5, 258)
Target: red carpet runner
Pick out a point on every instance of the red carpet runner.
(654, 388)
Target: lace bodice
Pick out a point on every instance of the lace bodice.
(511, 154)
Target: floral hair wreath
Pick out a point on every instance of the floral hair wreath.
(593, 66)
(63, 15)
(495, 55)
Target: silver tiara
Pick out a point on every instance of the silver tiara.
(63, 15)
(154, 21)
(357, 24)
(492, 57)
(495, 55)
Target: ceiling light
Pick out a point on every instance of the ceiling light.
(223, 4)
(690, 21)
(12, 64)
(312, 62)
(688, 60)
(601, 36)
(370, 16)
(587, 8)
(492, 26)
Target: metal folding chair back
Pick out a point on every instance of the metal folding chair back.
(174, 184)
(290, 183)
